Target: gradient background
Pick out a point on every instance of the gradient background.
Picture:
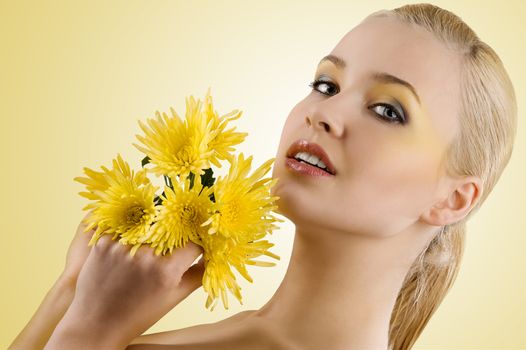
(76, 76)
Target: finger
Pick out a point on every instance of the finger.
(142, 252)
(83, 229)
(83, 224)
(182, 258)
(192, 279)
(84, 234)
(85, 220)
(104, 242)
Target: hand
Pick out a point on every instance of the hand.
(77, 252)
(118, 296)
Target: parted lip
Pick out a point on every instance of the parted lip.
(303, 145)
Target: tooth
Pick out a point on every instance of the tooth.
(313, 159)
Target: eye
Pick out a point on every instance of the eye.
(314, 85)
(388, 112)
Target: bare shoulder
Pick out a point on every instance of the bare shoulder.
(237, 332)
(193, 337)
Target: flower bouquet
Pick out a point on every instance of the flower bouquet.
(228, 218)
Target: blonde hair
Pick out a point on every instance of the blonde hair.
(483, 147)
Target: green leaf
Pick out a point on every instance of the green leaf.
(208, 179)
(145, 161)
(191, 176)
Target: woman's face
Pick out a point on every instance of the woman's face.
(388, 171)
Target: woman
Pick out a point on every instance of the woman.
(414, 120)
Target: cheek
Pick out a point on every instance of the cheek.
(409, 180)
(391, 189)
(381, 191)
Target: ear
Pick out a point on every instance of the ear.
(462, 195)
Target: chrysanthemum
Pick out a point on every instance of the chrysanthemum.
(241, 215)
(98, 181)
(243, 204)
(176, 148)
(228, 218)
(181, 215)
(223, 142)
(123, 203)
(221, 254)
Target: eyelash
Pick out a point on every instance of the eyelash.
(399, 120)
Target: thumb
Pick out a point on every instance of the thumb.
(191, 280)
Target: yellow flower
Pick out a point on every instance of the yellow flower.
(225, 139)
(172, 148)
(218, 276)
(97, 181)
(176, 148)
(222, 253)
(241, 215)
(183, 211)
(123, 203)
(229, 219)
(243, 204)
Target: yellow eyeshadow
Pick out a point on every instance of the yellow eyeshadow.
(328, 68)
(423, 131)
(399, 93)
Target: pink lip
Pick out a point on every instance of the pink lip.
(303, 145)
(304, 168)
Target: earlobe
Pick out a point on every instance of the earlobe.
(464, 196)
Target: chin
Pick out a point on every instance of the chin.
(285, 202)
(289, 204)
(294, 196)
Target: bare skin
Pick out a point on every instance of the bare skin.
(358, 232)
(58, 299)
(239, 331)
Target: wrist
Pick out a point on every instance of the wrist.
(67, 281)
(64, 291)
(75, 332)
(43, 323)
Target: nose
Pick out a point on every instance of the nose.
(320, 122)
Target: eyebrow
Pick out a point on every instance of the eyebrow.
(381, 77)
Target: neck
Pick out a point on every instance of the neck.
(340, 292)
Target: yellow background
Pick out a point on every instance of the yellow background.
(76, 76)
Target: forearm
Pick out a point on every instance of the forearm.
(83, 331)
(39, 329)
